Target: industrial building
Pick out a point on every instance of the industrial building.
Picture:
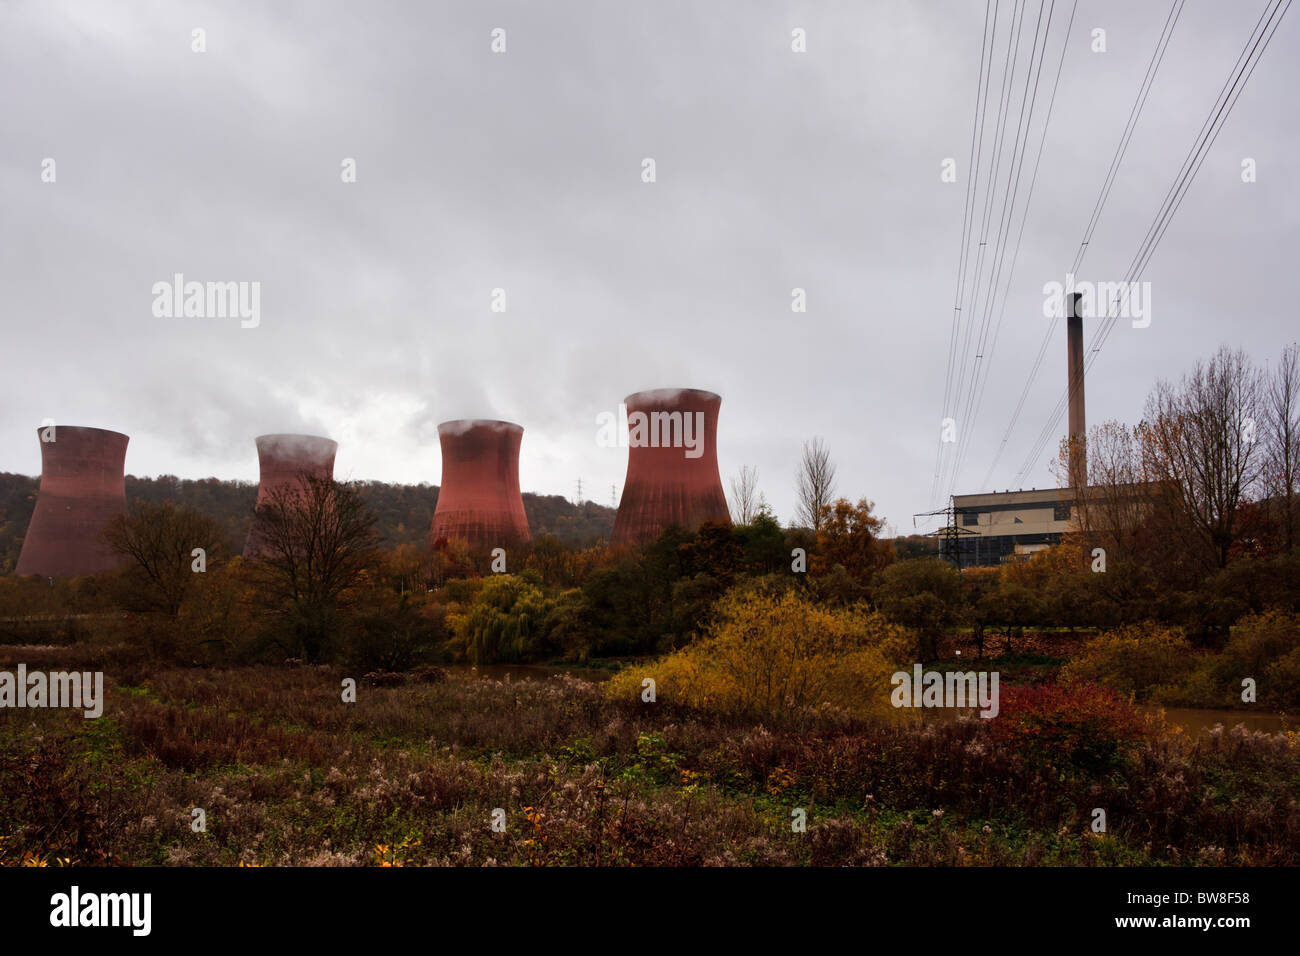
(83, 486)
(479, 500)
(672, 464)
(282, 462)
(1009, 525)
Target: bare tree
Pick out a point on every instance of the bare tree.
(744, 491)
(1281, 401)
(317, 540)
(160, 541)
(1199, 438)
(1115, 503)
(815, 484)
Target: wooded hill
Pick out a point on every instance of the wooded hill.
(404, 512)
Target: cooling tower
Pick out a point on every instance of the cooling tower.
(672, 464)
(282, 459)
(479, 499)
(82, 487)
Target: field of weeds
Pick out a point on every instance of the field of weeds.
(414, 772)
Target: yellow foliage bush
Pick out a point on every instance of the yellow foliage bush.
(1135, 660)
(780, 658)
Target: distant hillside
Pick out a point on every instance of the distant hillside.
(404, 511)
(17, 499)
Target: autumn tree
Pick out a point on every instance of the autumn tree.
(403, 569)
(318, 541)
(849, 535)
(925, 594)
(1199, 439)
(981, 587)
(167, 547)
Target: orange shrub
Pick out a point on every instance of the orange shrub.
(1082, 724)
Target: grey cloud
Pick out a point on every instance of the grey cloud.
(522, 172)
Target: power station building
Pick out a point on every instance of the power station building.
(83, 486)
(282, 462)
(672, 464)
(479, 500)
(1009, 525)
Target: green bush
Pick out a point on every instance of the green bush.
(505, 623)
(1264, 647)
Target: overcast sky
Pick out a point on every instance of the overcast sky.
(522, 171)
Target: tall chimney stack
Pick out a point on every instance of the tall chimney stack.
(1078, 433)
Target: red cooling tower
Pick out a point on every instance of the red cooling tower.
(282, 460)
(82, 487)
(672, 464)
(479, 498)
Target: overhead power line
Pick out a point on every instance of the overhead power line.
(981, 264)
(1253, 51)
(1135, 113)
(986, 346)
(972, 179)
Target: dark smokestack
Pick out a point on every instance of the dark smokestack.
(668, 484)
(1078, 426)
(479, 500)
(82, 487)
(282, 459)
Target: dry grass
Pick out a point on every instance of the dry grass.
(289, 774)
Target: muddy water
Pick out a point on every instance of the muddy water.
(1192, 720)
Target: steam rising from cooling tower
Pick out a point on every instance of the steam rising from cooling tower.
(672, 464)
(83, 485)
(282, 460)
(479, 499)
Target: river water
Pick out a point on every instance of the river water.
(1192, 720)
